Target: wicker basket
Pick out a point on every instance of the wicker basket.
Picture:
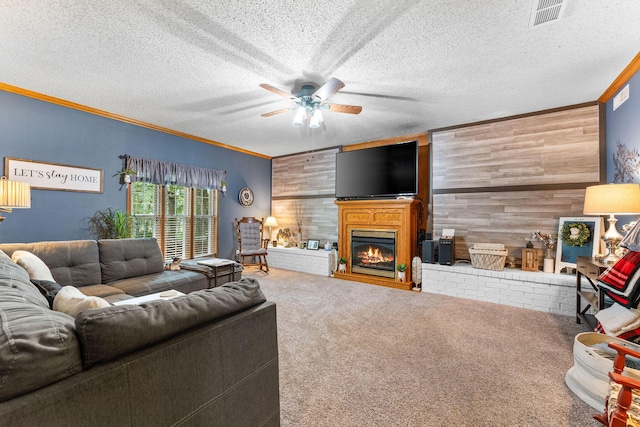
(488, 256)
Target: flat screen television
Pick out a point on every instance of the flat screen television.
(378, 172)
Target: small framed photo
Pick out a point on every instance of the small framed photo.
(313, 244)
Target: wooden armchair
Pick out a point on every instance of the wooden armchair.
(622, 406)
(251, 245)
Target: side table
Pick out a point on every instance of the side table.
(218, 270)
(589, 268)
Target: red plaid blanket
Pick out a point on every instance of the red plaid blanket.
(617, 276)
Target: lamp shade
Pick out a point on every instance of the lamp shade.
(613, 199)
(270, 222)
(14, 194)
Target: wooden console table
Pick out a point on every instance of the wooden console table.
(589, 268)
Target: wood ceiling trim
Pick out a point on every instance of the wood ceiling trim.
(422, 138)
(53, 100)
(622, 79)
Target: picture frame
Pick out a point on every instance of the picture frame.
(566, 254)
(54, 176)
(313, 244)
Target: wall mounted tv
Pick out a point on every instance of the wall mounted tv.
(378, 172)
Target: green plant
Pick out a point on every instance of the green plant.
(124, 172)
(110, 224)
(342, 260)
(401, 267)
(285, 234)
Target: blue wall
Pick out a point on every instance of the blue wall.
(37, 130)
(623, 135)
(623, 140)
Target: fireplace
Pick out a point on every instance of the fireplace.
(373, 252)
(391, 225)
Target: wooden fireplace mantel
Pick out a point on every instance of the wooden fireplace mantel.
(399, 215)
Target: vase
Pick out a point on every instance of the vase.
(401, 276)
(342, 268)
(548, 266)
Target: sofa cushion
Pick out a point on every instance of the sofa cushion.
(38, 346)
(14, 276)
(125, 258)
(181, 280)
(102, 291)
(73, 262)
(36, 268)
(107, 333)
(71, 301)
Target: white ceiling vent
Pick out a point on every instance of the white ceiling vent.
(546, 11)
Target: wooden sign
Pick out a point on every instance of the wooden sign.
(54, 176)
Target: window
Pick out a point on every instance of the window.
(184, 220)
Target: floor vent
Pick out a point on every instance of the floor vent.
(546, 11)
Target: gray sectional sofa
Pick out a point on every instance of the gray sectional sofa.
(209, 358)
(113, 269)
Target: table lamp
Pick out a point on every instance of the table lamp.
(270, 222)
(14, 195)
(612, 199)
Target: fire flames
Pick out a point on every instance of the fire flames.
(373, 256)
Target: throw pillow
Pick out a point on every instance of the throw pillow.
(71, 301)
(108, 333)
(47, 288)
(36, 268)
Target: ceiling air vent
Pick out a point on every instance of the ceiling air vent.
(546, 11)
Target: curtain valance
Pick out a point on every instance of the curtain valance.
(166, 173)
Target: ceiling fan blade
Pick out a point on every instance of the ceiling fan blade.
(340, 108)
(277, 91)
(328, 89)
(273, 113)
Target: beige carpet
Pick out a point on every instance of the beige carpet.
(353, 354)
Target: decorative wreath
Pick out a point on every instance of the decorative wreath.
(575, 240)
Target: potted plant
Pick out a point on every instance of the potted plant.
(110, 224)
(342, 264)
(285, 235)
(402, 268)
(125, 175)
(223, 187)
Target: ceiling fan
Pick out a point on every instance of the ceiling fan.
(310, 102)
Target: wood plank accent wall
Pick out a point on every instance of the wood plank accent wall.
(497, 182)
(554, 148)
(307, 179)
(504, 217)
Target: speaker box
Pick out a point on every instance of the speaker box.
(446, 251)
(430, 251)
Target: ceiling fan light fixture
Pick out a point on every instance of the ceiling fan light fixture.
(301, 114)
(313, 122)
(317, 114)
(309, 101)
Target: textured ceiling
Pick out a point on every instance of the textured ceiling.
(195, 66)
